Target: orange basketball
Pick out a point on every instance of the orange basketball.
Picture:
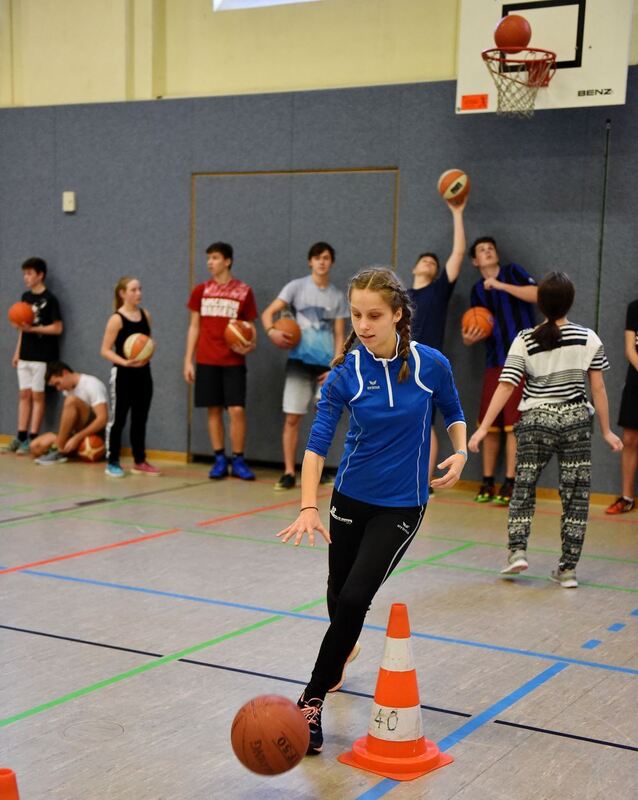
(478, 317)
(289, 325)
(91, 448)
(139, 346)
(269, 735)
(512, 33)
(454, 185)
(238, 332)
(21, 314)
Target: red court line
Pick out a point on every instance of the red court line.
(91, 550)
(214, 520)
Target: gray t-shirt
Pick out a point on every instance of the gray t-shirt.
(315, 310)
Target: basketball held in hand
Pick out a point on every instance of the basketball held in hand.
(454, 186)
(478, 317)
(91, 448)
(21, 314)
(238, 332)
(139, 347)
(269, 735)
(290, 326)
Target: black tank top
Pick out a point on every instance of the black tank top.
(128, 328)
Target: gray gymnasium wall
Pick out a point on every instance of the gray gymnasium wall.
(538, 188)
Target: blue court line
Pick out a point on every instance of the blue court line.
(591, 644)
(386, 785)
(617, 626)
(315, 618)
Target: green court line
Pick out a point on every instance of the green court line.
(131, 673)
(14, 486)
(209, 509)
(527, 576)
(241, 538)
(544, 550)
(27, 506)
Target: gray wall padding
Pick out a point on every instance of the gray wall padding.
(538, 188)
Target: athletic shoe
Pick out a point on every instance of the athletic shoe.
(620, 506)
(566, 578)
(146, 469)
(353, 654)
(114, 471)
(53, 456)
(485, 494)
(219, 469)
(516, 562)
(311, 709)
(17, 446)
(504, 494)
(239, 469)
(285, 482)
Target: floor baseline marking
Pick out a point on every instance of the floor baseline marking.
(89, 551)
(319, 618)
(283, 679)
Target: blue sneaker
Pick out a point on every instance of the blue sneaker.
(219, 469)
(114, 471)
(239, 469)
(311, 709)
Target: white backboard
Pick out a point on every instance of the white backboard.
(590, 38)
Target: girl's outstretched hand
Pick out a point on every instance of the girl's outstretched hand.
(308, 522)
(454, 465)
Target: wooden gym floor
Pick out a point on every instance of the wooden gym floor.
(139, 614)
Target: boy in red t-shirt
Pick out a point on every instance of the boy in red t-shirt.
(220, 371)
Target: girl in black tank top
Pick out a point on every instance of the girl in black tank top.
(131, 383)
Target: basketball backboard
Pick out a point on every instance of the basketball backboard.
(590, 38)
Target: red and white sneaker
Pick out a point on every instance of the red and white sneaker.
(146, 469)
(620, 506)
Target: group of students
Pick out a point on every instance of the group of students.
(389, 376)
(85, 410)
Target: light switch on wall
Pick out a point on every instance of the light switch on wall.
(68, 202)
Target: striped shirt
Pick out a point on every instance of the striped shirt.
(511, 315)
(557, 375)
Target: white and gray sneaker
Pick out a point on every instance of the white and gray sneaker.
(516, 562)
(53, 456)
(566, 578)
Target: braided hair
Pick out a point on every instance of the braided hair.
(386, 283)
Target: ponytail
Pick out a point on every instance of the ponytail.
(555, 298)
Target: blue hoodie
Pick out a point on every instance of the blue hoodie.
(386, 455)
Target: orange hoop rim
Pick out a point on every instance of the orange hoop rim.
(497, 54)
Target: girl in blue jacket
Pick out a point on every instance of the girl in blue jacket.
(388, 385)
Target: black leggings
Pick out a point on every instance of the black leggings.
(134, 392)
(367, 543)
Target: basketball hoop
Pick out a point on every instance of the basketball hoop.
(518, 75)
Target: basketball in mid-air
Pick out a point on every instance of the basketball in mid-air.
(269, 734)
(512, 33)
(478, 317)
(289, 325)
(238, 332)
(139, 346)
(21, 314)
(454, 186)
(91, 448)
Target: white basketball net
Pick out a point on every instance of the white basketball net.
(518, 77)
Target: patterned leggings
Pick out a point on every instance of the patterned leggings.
(564, 429)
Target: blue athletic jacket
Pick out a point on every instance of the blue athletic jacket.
(387, 449)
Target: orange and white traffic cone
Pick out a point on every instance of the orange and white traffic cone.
(8, 785)
(395, 746)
